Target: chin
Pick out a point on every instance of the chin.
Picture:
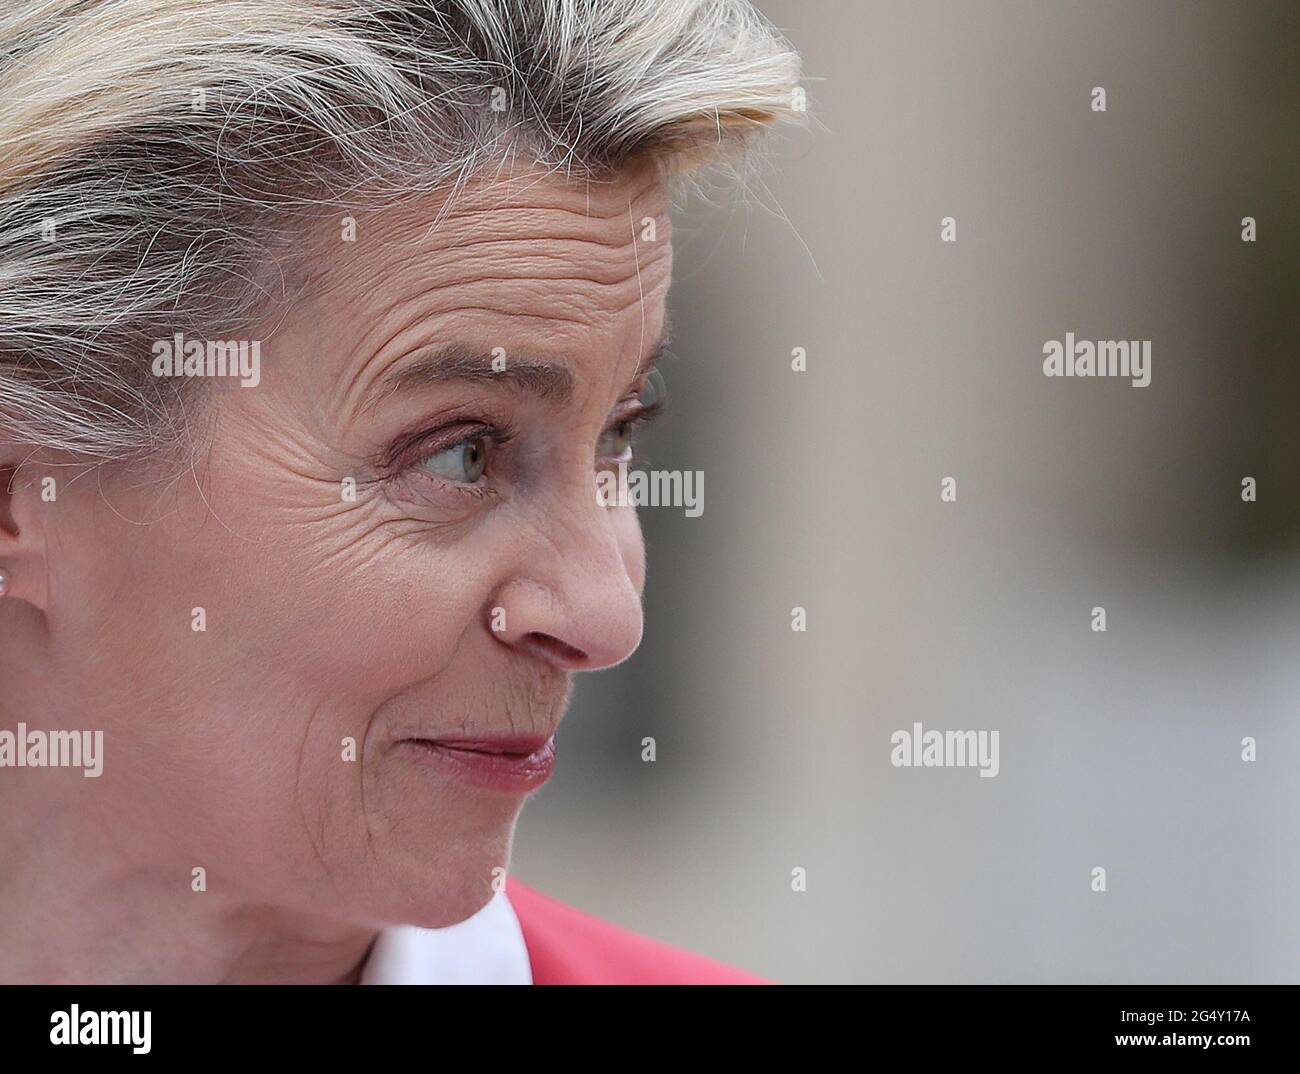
(438, 871)
(459, 893)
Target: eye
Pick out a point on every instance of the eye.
(616, 441)
(463, 463)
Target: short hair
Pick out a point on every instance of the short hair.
(155, 154)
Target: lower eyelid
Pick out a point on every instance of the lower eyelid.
(429, 488)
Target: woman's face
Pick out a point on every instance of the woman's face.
(387, 543)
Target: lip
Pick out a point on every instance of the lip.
(515, 763)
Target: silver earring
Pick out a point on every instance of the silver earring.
(4, 582)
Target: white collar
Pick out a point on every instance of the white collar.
(487, 948)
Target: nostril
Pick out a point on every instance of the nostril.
(554, 650)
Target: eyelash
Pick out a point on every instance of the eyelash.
(422, 446)
(638, 418)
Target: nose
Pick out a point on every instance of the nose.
(573, 601)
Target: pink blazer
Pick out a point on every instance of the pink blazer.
(567, 946)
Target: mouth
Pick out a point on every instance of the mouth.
(516, 764)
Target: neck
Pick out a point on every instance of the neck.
(78, 905)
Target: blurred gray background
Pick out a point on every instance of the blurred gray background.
(1120, 749)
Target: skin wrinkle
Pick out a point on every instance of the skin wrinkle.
(317, 839)
(328, 618)
(417, 315)
(560, 254)
(322, 282)
(488, 277)
(381, 364)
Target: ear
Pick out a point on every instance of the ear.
(27, 495)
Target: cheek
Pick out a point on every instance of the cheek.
(353, 621)
(339, 596)
(312, 614)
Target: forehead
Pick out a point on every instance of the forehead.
(525, 262)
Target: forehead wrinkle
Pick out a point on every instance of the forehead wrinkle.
(357, 384)
(499, 198)
(644, 360)
(423, 290)
(608, 258)
(542, 209)
(613, 258)
(584, 258)
(360, 384)
(465, 361)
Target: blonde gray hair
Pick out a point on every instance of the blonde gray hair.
(155, 155)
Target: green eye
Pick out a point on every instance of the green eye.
(616, 443)
(463, 462)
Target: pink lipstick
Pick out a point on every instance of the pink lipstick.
(515, 764)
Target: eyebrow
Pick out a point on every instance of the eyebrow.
(463, 362)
